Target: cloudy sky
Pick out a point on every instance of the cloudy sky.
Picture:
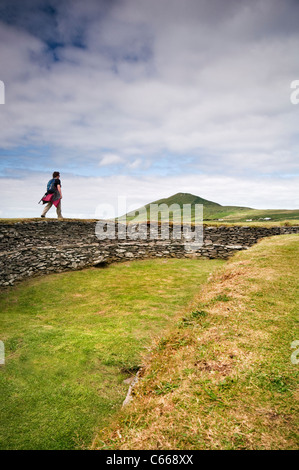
(143, 99)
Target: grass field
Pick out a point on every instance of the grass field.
(71, 339)
(222, 377)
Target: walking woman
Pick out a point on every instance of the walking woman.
(53, 195)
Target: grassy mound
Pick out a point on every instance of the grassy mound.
(223, 378)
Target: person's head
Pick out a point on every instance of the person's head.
(56, 174)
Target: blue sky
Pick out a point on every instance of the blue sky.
(144, 99)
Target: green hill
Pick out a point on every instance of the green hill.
(212, 211)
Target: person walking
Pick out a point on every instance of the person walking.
(53, 195)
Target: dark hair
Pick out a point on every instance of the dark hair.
(56, 173)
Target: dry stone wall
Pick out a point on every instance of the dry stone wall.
(36, 247)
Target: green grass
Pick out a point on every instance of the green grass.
(223, 378)
(276, 215)
(71, 339)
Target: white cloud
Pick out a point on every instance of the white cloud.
(110, 159)
(135, 163)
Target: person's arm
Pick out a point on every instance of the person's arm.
(59, 189)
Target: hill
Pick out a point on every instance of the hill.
(212, 211)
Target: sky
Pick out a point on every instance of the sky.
(142, 99)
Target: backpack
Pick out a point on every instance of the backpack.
(50, 186)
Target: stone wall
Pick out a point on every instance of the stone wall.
(46, 246)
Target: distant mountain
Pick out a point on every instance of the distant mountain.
(212, 211)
